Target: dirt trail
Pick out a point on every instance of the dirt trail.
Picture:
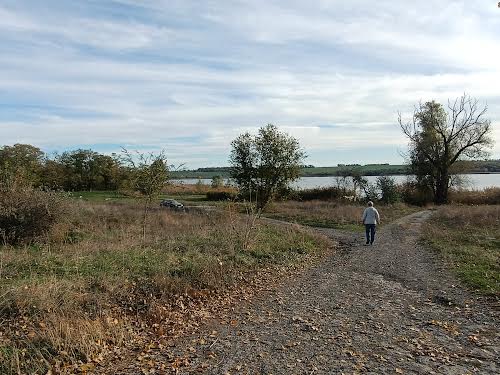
(383, 309)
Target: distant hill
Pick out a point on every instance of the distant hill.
(484, 166)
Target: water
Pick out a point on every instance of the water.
(471, 181)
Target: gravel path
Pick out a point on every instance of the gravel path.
(382, 309)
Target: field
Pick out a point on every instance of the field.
(468, 237)
(94, 283)
(186, 193)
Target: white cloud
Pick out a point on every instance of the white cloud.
(235, 66)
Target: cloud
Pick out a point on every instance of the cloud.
(190, 77)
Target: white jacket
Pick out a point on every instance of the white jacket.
(371, 216)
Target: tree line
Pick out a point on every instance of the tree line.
(77, 170)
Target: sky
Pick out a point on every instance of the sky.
(189, 76)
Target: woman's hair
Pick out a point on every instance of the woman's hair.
(370, 203)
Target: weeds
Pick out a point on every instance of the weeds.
(469, 239)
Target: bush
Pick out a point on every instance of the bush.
(388, 189)
(411, 194)
(324, 193)
(220, 195)
(217, 182)
(26, 214)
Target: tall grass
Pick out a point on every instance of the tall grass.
(469, 239)
(474, 197)
(73, 297)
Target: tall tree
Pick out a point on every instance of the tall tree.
(79, 167)
(53, 175)
(439, 138)
(266, 163)
(21, 163)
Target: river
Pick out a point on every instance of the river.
(470, 181)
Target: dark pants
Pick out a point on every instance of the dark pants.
(370, 233)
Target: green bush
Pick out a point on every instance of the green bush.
(27, 213)
(388, 189)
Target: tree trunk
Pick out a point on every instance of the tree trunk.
(442, 184)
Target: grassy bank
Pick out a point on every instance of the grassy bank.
(334, 214)
(94, 282)
(469, 239)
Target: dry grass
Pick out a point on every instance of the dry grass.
(475, 197)
(469, 239)
(70, 298)
(333, 214)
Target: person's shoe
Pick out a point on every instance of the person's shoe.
(371, 243)
(367, 243)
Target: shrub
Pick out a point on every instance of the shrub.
(411, 194)
(26, 213)
(324, 193)
(220, 195)
(388, 189)
(217, 182)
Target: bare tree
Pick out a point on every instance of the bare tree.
(439, 138)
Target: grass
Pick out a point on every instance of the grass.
(99, 196)
(75, 296)
(473, 197)
(469, 239)
(331, 214)
(187, 194)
